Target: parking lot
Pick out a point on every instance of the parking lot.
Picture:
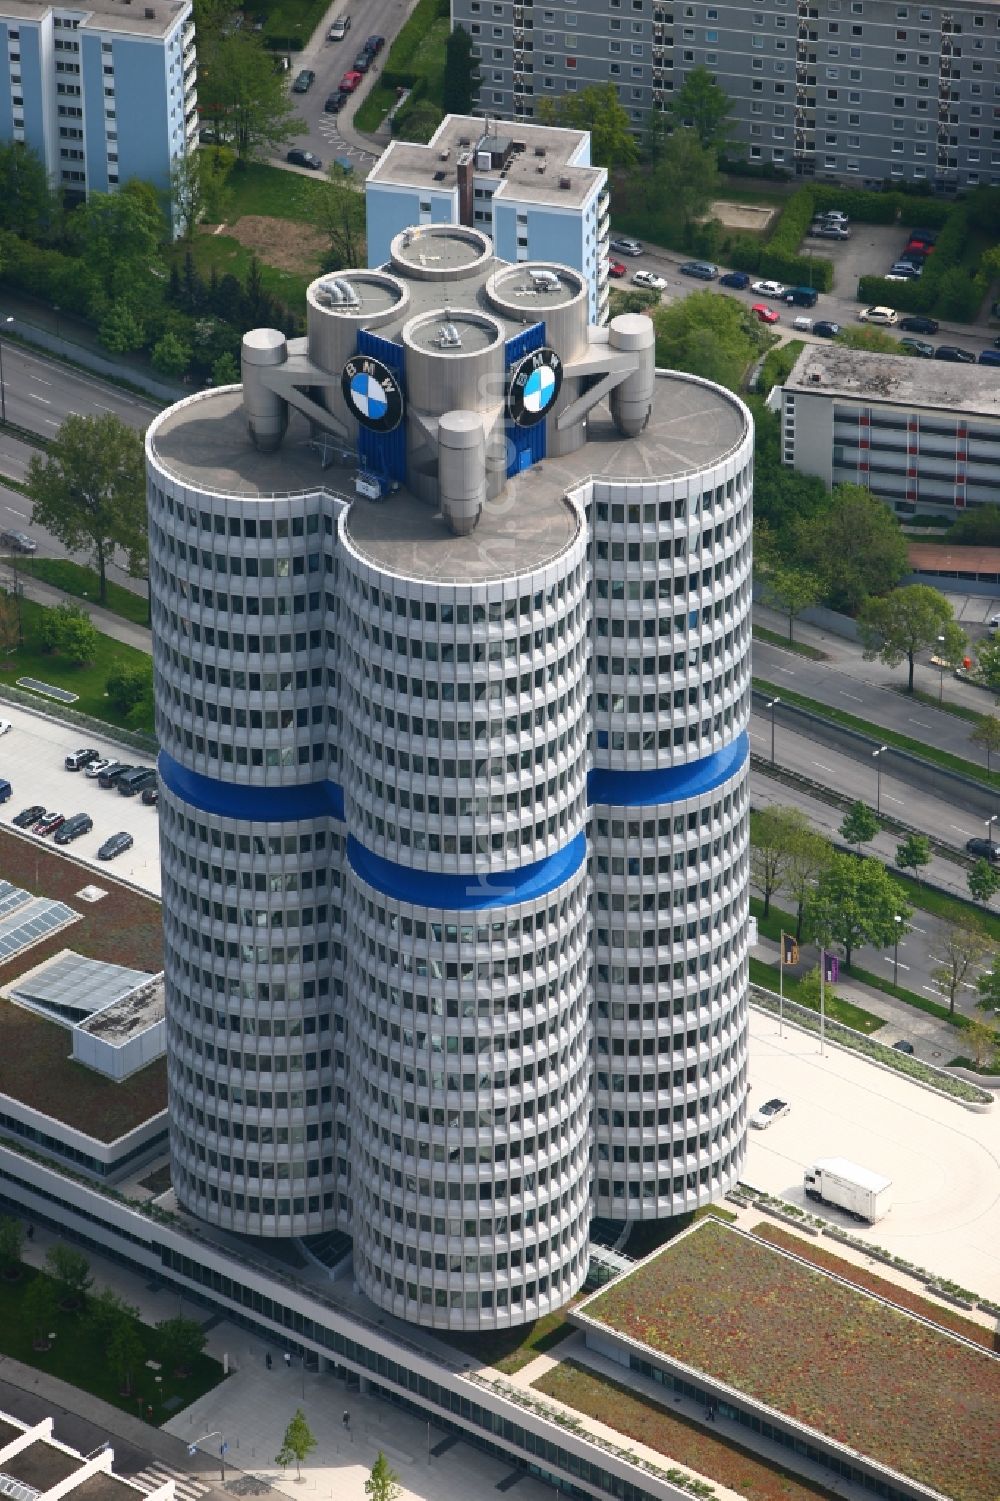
(870, 251)
(943, 1159)
(31, 759)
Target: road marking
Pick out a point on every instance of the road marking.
(922, 723)
(51, 422)
(890, 960)
(886, 798)
(960, 831)
(915, 929)
(844, 694)
(39, 379)
(101, 407)
(823, 768)
(40, 398)
(22, 514)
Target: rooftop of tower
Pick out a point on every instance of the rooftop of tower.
(203, 442)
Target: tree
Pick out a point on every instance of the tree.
(984, 882)
(708, 335)
(684, 179)
(197, 187)
(460, 74)
(225, 371)
(105, 1310)
(10, 624)
(68, 631)
(855, 545)
(39, 1304)
(122, 330)
(773, 834)
(873, 340)
(987, 734)
(71, 1273)
(128, 686)
(958, 951)
(981, 1040)
(27, 204)
(599, 110)
(988, 664)
(792, 590)
(90, 490)
(181, 1342)
(171, 356)
(341, 216)
(419, 122)
(912, 853)
(119, 236)
(860, 825)
(906, 621)
(11, 1247)
(703, 106)
(383, 1482)
(856, 902)
(809, 989)
(810, 854)
(249, 99)
(125, 1350)
(297, 1444)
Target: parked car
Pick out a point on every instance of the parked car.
(136, 781)
(702, 270)
(80, 823)
(345, 164)
(769, 288)
(18, 541)
(350, 81)
(303, 81)
(6, 790)
(826, 328)
(955, 355)
(801, 296)
(651, 280)
(983, 849)
(617, 269)
(151, 795)
(884, 315)
(770, 1111)
(28, 816)
(300, 157)
(803, 323)
(919, 247)
(362, 62)
(111, 774)
(902, 1046)
(738, 279)
(116, 845)
(926, 236)
(906, 269)
(833, 216)
(625, 246)
(918, 324)
(96, 767)
(5, 726)
(49, 822)
(764, 313)
(919, 347)
(78, 760)
(989, 356)
(375, 44)
(822, 230)
(335, 102)
(339, 29)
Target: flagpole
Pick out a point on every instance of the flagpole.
(781, 982)
(822, 1001)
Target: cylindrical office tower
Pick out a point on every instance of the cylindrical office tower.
(670, 810)
(464, 735)
(251, 859)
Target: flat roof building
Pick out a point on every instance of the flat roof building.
(35, 1466)
(923, 435)
(451, 659)
(531, 188)
(102, 91)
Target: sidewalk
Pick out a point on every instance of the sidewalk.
(106, 621)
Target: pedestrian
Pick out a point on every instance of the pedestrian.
(267, 1360)
(288, 1361)
(30, 1232)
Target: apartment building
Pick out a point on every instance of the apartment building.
(532, 189)
(923, 435)
(841, 90)
(101, 92)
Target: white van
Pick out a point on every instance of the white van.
(803, 324)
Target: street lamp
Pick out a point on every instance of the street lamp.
(772, 706)
(895, 950)
(3, 388)
(223, 1447)
(877, 758)
(941, 643)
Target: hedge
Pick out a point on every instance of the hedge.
(948, 288)
(779, 256)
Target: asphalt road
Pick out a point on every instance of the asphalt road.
(40, 393)
(78, 1432)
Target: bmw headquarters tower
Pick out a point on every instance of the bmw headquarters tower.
(452, 663)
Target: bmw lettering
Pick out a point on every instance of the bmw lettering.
(373, 394)
(534, 386)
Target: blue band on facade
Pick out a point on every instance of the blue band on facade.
(642, 789)
(253, 804)
(463, 893)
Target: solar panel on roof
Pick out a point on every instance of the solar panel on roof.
(43, 918)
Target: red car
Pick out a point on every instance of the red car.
(617, 268)
(350, 81)
(764, 313)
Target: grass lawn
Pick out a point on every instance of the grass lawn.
(288, 24)
(415, 57)
(259, 189)
(82, 583)
(890, 1291)
(30, 660)
(835, 1007)
(509, 1350)
(73, 1358)
(223, 254)
(687, 1443)
(879, 732)
(775, 638)
(825, 1354)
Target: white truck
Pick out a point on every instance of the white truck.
(834, 1180)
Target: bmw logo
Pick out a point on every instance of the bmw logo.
(534, 385)
(372, 393)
